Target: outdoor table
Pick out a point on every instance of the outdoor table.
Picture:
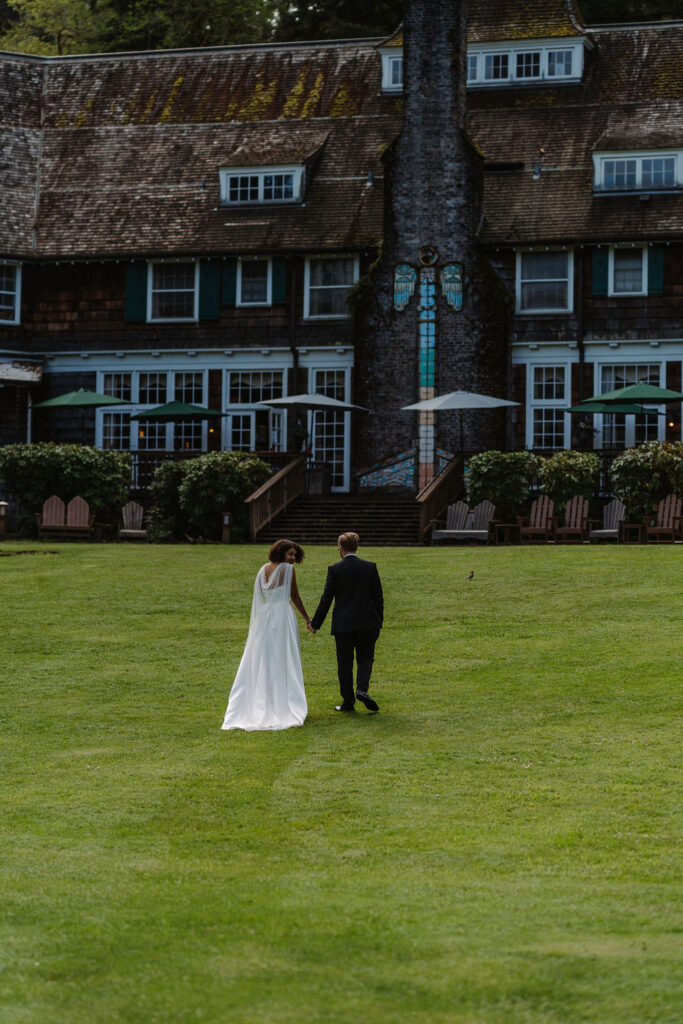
(507, 533)
(631, 533)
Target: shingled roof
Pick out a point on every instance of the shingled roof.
(629, 100)
(125, 160)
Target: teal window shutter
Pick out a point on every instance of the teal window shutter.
(600, 271)
(136, 292)
(229, 282)
(655, 270)
(279, 281)
(209, 290)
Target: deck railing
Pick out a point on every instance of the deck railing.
(443, 490)
(144, 464)
(276, 494)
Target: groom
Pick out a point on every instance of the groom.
(354, 586)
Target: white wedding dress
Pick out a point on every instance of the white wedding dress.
(268, 692)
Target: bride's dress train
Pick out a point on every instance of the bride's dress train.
(268, 692)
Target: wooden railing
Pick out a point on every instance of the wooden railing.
(144, 464)
(444, 489)
(275, 494)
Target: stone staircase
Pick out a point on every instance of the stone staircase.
(378, 520)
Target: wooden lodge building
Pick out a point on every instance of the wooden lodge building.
(490, 200)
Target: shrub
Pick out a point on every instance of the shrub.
(34, 472)
(568, 473)
(190, 496)
(642, 476)
(165, 521)
(504, 478)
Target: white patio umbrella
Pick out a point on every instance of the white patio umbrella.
(459, 400)
(314, 403)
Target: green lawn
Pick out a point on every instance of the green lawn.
(497, 846)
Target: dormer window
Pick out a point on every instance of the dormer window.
(392, 70)
(10, 292)
(515, 63)
(259, 185)
(638, 172)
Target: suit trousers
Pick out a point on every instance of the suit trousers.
(362, 643)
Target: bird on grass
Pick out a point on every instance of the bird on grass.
(470, 576)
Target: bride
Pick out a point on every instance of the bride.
(268, 692)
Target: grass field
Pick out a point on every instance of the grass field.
(497, 846)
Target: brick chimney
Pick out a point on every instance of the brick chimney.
(431, 316)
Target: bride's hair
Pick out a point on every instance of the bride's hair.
(281, 547)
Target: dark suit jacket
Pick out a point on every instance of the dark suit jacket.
(355, 587)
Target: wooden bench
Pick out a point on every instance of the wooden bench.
(467, 524)
(53, 521)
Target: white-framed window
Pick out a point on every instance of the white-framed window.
(620, 430)
(628, 270)
(254, 282)
(327, 283)
(10, 293)
(241, 186)
(152, 388)
(189, 387)
(143, 390)
(330, 429)
(560, 63)
(249, 387)
(173, 290)
(511, 62)
(241, 429)
(392, 69)
(547, 400)
(496, 66)
(638, 172)
(545, 281)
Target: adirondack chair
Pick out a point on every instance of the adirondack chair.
(79, 521)
(456, 518)
(538, 525)
(51, 520)
(612, 517)
(575, 524)
(476, 525)
(667, 525)
(132, 528)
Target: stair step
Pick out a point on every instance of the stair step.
(380, 521)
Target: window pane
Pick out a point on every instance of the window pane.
(471, 68)
(151, 437)
(549, 383)
(187, 435)
(249, 388)
(397, 71)
(496, 66)
(115, 430)
(620, 375)
(189, 387)
(559, 63)
(539, 266)
(152, 389)
(659, 172)
(118, 385)
(8, 292)
(254, 278)
(546, 295)
(548, 428)
(278, 186)
(628, 270)
(240, 433)
(325, 273)
(528, 65)
(329, 283)
(620, 173)
(173, 291)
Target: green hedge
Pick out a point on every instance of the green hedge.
(189, 497)
(504, 478)
(642, 476)
(567, 473)
(32, 473)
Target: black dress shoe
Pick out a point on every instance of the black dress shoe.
(344, 707)
(366, 699)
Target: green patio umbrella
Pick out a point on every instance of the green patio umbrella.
(172, 412)
(80, 399)
(590, 408)
(638, 394)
